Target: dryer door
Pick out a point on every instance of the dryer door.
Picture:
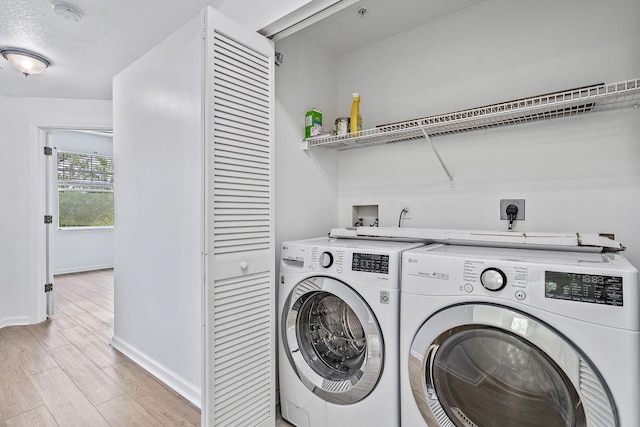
(332, 339)
(479, 365)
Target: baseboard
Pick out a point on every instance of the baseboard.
(82, 269)
(184, 388)
(15, 321)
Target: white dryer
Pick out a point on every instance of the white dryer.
(339, 340)
(512, 337)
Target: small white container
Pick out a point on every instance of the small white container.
(342, 125)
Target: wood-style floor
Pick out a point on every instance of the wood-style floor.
(63, 372)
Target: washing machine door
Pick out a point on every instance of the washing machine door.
(480, 365)
(332, 340)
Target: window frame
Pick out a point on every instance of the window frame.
(108, 188)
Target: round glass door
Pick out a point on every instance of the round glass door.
(483, 366)
(333, 340)
(486, 377)
(331, 336)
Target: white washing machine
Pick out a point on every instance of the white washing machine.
(339, 340)
(512, 337)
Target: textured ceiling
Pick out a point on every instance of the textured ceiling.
(85, 55)
(348, 30)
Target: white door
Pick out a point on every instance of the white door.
(476, 365)
(50, 183)
(239, 287)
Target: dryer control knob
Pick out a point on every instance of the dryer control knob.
(326, 260)
(493, 279)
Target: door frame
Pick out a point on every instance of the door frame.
(40, 132)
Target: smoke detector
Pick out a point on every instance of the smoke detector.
(67, 11)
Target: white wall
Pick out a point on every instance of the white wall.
(22, 196)
(81, 249)
(306, 182)
(577, 174)
(158, 210)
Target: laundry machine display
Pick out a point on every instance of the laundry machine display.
(339, 317)
(509, 337)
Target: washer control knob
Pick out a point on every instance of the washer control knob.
(493, 279)
(326, 260)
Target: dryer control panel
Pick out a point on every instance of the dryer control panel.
(589, 288)
(602, 288)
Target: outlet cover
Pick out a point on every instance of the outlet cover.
(506, 202)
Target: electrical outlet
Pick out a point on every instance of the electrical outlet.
(506, 202)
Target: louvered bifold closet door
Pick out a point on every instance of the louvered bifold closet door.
(240, 289)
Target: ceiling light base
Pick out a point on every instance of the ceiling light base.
(25, 61)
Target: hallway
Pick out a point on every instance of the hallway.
(64, 372)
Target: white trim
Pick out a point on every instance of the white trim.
(302, 17)
(181, 386)
(15, 321)
(84, 153)
(39, 137)
(84, 228)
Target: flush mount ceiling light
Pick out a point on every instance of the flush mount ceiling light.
(26, 62)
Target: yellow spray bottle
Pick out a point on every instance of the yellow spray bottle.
(355, 124)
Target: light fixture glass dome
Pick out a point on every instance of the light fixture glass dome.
(26, 62)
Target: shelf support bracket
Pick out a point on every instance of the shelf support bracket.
(433, 147)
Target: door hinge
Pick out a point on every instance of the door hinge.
(279, 58)
(48, 151)
(48, 287)
(48, 219)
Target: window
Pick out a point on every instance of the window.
(85, 190)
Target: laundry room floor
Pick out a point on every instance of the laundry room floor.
(64, 372)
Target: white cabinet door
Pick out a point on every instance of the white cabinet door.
(239, 287)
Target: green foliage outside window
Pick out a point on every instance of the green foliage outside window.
(85, 190)
(85, 209)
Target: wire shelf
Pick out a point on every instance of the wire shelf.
(560, 104)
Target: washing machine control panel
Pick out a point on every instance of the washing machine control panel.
(325, 259)
(370, 263)
(350, 261)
